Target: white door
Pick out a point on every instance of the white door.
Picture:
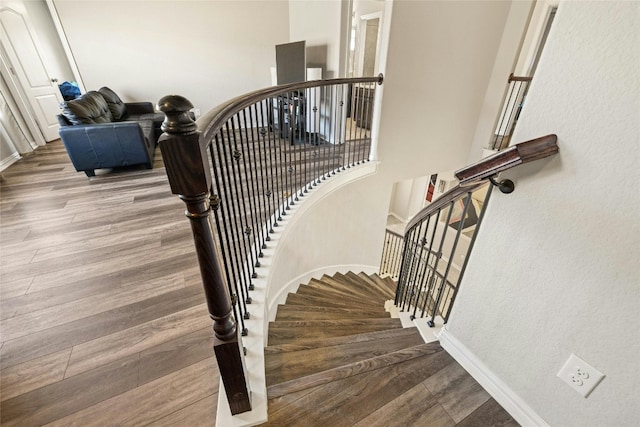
(39, 89)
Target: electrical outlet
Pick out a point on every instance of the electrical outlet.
(580, 376)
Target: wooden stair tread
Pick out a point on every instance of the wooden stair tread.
(352, 369)
(349, 283)
(292, 312)
(321, 342)
(388, 289)
(350, 291)
(305, 300)
(282, 332)
(285, 366)
(365, 280)
(330, 295)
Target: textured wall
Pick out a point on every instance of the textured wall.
(208, 51)
(569, 280)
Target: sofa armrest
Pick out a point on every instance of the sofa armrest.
(139, 107)
(106, 145)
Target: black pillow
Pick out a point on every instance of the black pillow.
(90, 108)
(117, 107)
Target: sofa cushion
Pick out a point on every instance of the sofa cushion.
(117, 107)
(90, 108)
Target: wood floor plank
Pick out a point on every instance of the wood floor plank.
(350, 399)
(36, 320)
(132, 340)
(458, 393)
(73, 333)
(152, 401)
(416, 407)
(200, 413)
(489, 414)
(36, 373)
(57, 400)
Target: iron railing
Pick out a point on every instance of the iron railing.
(437, 242)
(436, 246)
(511, 107)
(248, 162)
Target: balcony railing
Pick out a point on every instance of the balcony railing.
(437, 242)
(248, 162)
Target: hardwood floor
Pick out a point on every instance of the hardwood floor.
(102, 315)
(103, 320)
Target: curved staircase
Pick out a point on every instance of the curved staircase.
(336, 358)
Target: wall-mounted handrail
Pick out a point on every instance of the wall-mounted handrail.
(438, 240)
(239, 169)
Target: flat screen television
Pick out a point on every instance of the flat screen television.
(291, 62)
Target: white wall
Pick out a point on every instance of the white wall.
(319, 24)
(568, 235)
(505, 63)
(441, 55)
(207, 51)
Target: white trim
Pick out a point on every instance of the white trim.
(506, 397)
(5, 163)
(65, 44)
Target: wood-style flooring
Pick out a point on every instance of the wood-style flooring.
(102, 315)
(103, 320)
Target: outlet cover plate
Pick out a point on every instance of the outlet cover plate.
(580, 376)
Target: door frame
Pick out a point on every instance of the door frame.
(19, 98)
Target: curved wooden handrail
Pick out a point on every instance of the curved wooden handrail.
(475, 176)
(443, 201)
(210, 122)
(515, 155)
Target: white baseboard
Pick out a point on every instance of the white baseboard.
(510, 401)
(5, 163)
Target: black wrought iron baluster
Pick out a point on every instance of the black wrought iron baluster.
(407, 265)
(416, 264)
(264, 172)
(224, 190)
(241, 199)
(232, 200)
(424, 264)
(453, 250)
(431, 263)
(471, 244)
(273, 194)
(258, 240)
(438, 254)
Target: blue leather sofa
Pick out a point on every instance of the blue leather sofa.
(100, 131)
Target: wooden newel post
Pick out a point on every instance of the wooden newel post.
(185, 157)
